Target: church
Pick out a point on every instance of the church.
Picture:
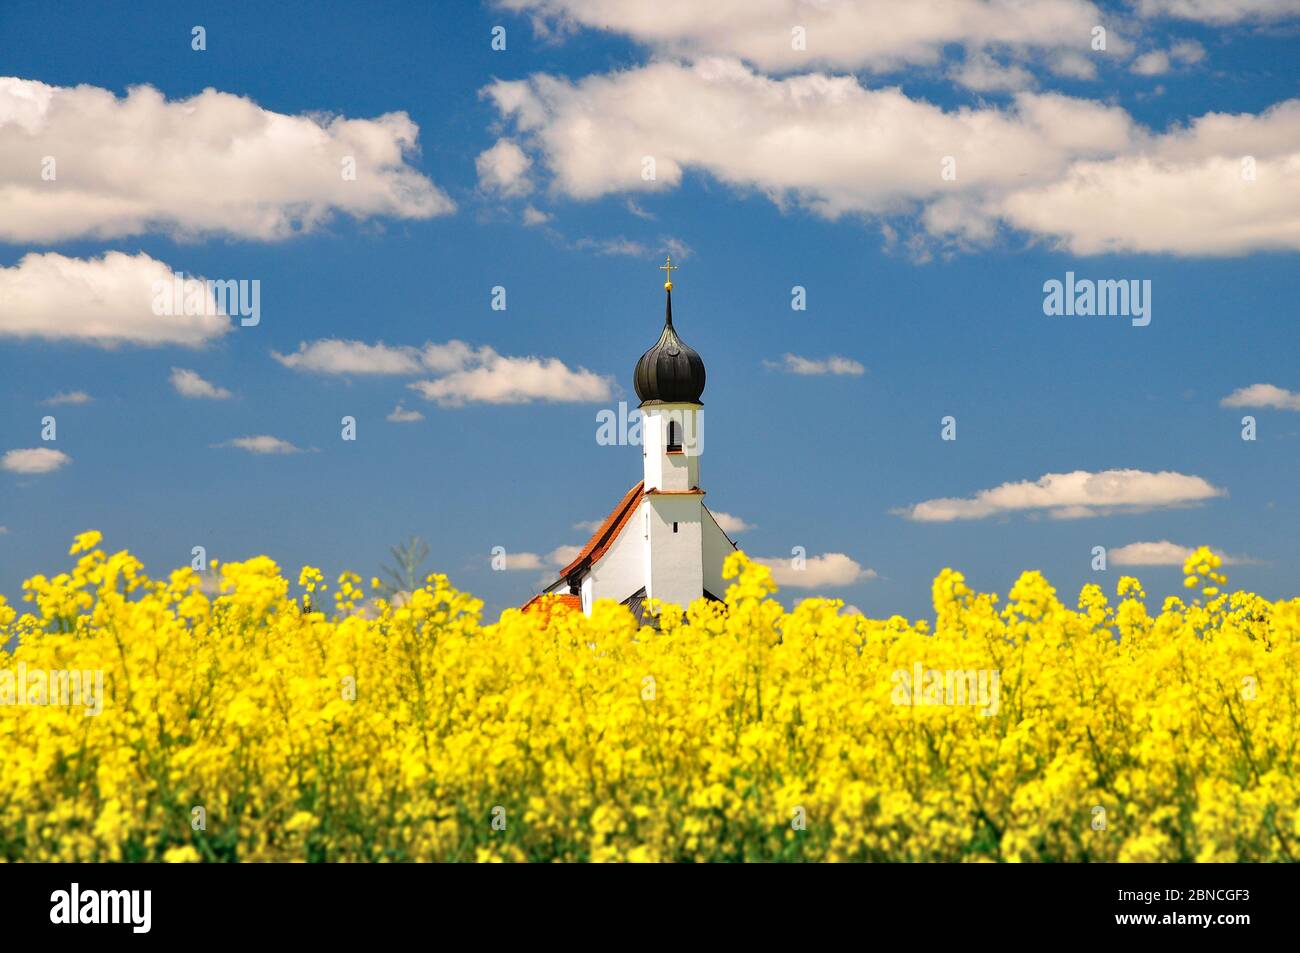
(660, 541)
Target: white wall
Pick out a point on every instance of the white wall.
(675, 560)
(672, 471)
(620, 572)
(716, 550)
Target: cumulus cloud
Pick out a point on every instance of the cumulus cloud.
(1220, 11)
(68, 398)
(34, 460)
(556, 558)
(827, 142)
(1151, 64)
(882, 35)
(1244, 171)
(794, 364)
(463, 374)
(1075, 495)
(983, 74)
(104, 301)
(1085, 175)
(189, 384)
(262, 444)
(504, 169)
(400, 415)
(1185, 53)
(1163, 553)
(827, 571)
(1263, 395)
(497, 379)
(212, 164)
(731, 525)
(335, 356)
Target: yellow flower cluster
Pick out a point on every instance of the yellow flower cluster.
(255, 725)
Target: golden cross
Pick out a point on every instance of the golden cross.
(668, 268)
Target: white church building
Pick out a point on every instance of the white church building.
(660, 541)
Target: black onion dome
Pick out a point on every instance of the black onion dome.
(671, 372)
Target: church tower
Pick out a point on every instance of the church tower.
(669, 379)
(660, 541)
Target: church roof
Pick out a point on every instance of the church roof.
(608, 532)
(551, 603)
(671, 372)
(598, 545)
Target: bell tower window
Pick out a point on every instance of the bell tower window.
(674, 437)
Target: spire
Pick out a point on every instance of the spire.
(668, 268)
(671, 371)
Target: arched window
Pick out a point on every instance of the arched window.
(674, 437)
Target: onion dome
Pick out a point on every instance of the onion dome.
(671, 372)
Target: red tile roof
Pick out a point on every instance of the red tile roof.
(604, 537)
(599, 543)
(552, 603)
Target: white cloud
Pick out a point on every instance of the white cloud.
(881, 35)
(212, 164)
(556, 558)
(638, 211)
(1139, 202)
(463, 374)
(533, 216)
(731, 525)
(830, 570)
(620, 245)
(1263, 395)
(1185, 53)
(400, 415)
(68, 397)
(563, 555)
(334, 356)
(1084, 174)
(3, 530)
(826, 142)
(189, 384)
(263, 443)
(1163, 553)
(34, 460)
(504, 169)
(496, 379)
(612, 246)
(103, 301)
(794, 364)
(589, 526)
(1075, 495)
(452, 356)
(1074, 65)
(1151, 64)
(1220, 11)
(983, 74)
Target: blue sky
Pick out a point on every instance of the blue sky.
(1115, 164)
